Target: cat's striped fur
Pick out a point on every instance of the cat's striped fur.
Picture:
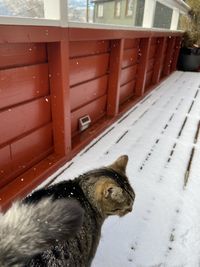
(101, 193)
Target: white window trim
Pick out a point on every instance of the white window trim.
(101, 11)
(149, 12)
(175, 19)
(120, 7)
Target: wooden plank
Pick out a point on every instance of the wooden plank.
(78, 34)
(26, 152)
(24, 118)
(130, 57)
(157, 34)
(153, 50)
(88, 68)
(22, 84)
(88, 91)
(30, 34)
(86, 34)
(60, 102)
(24, 184)
(86, 48)
(151, 63)
(116, 56)
(165, 45)
(16, 34)
(31, 148)
(128, 74)
(148, 79)
(131, 43)
(176, 53)
(127, 91)
(5, 164)
(95, 110)
(159, 58)
(153, 41)
(14, 55)
(142, 68)
(168, 57)
(164, 53)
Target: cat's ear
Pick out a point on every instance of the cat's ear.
(120, 164)
(113, 192)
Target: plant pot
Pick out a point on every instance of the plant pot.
(189, 59)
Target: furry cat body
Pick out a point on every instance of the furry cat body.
(68, 253)
(101, 193)
(27, 230)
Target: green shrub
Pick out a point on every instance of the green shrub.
(191, 25)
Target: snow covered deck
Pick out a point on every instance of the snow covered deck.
(161, 137)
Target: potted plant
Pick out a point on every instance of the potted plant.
(189, 58)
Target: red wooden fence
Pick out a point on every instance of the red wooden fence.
(50, 77)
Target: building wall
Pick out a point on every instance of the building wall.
(109, 13)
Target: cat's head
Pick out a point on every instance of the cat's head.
(113, 191)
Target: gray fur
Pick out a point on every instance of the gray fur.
(101, 193)
(29, 229)
(101, 196)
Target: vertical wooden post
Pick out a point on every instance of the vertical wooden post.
(159, 60)
(143, 65)
(176, 53)
(169, 54)
(58, 55)
(116, 56)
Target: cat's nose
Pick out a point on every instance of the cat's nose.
(129, 203)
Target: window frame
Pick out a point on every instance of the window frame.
(115, 13)
(100, 12)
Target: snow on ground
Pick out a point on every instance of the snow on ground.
(158, 135)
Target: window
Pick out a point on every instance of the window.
(139, 12)
(100, 11)
(183, 22)
(163, 16)
(129, 8)
(22, 8)
(117, 8)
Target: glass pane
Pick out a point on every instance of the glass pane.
(184, 22)
(118, 12)
(163, 16)
(139, 12)
(80, 10)
(129, 7)
(22, 8)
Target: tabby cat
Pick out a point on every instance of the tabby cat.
(101, 192)
(27, 230)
